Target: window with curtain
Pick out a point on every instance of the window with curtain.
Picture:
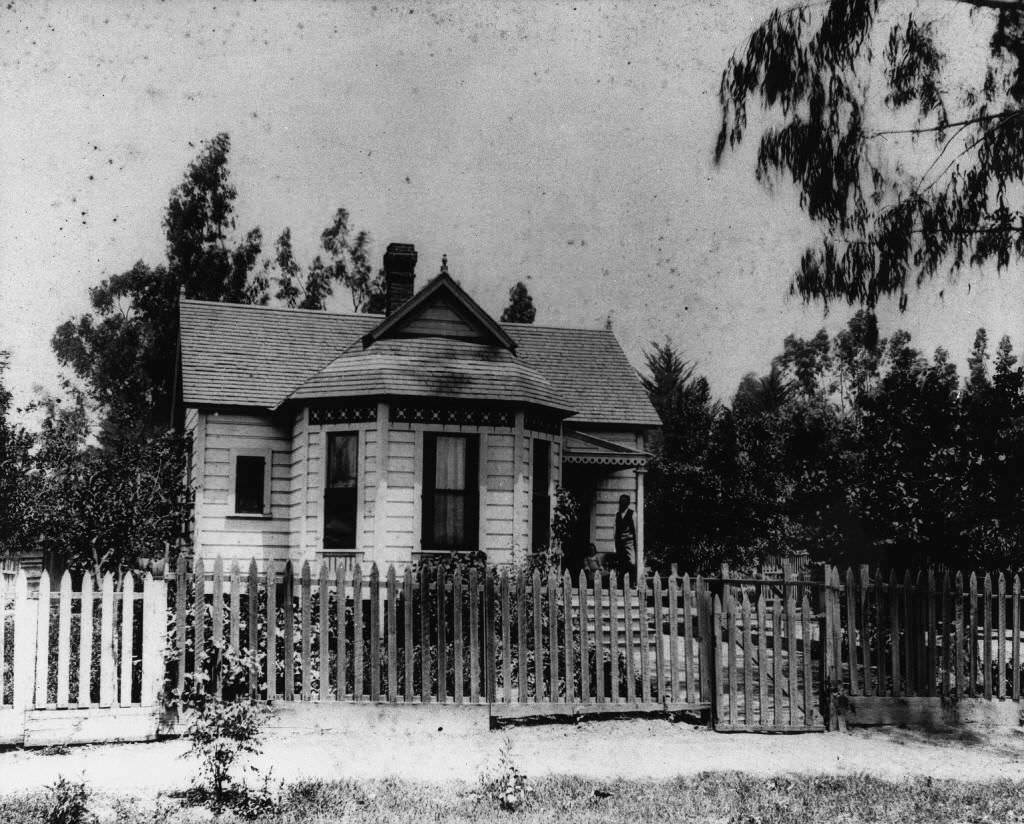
(450, 492)
(341, 490)
(541, 500)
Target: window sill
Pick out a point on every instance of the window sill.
(250, 516)
(465, 551)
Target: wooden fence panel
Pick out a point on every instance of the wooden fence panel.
(107, 642)
(392, 633)
(986, 644)
(748, 663)
(323, 590)
(217, 624)
(42, 645)
(553, 645)
(357, 635)
(442, 640)
(306, 642)
(598, 640)
(127, 627)
(584, 601)
(425, 668)
(570, 656)
(689, 662)
(85, 643)
(613, 637)
(1015, 655)
(1001, 637)
(64, 641)
(673, 635)
(340, 659)
(659, 640)
(506, 639)
(288, 595)
(375, 633)
(407, 627)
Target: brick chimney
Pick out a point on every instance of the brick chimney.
(399, 274)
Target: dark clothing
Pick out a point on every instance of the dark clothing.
(625, 542)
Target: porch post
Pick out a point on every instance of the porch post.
(640, 472)
(380, 505)
(519, 489)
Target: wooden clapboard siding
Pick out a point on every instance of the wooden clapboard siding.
(498, 507)
(299, 467)
(439, 317)
(219, 532)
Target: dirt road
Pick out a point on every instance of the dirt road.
(599, 749)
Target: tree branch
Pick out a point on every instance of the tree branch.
(968, 122)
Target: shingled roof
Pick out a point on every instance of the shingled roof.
(238, 355)
(435, 368)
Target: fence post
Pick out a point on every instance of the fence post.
(154, 629)
(42, 639)
(716, 621)
(127, 630)
(828, 659)
(24, 644)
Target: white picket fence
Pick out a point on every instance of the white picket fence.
(80, 665)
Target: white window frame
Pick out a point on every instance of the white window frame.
(359, 430)
(419, 432)
(268, 460)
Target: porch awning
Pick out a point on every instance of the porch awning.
(583, 448)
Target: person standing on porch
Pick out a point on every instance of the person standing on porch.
(625, 537)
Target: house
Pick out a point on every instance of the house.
(432, 428)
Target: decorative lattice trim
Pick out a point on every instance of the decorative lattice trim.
(362, 413)
(454, 415)
(544, 423)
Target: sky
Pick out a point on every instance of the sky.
(567, 145)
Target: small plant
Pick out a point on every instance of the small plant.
(69, 803)
(258, 802)
(505, 784)
(219, 733)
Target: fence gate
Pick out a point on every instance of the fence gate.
(776, 648)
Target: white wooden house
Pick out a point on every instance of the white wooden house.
(356, 437)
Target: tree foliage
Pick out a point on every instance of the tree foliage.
(18, 487)
(113, 497)
(347, 264)
(520, 307)
(906, 148)
(854, 449)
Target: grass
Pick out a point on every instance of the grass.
(730, 798)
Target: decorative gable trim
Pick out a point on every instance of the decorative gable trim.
(489, 328)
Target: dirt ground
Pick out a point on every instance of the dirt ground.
(596, 749)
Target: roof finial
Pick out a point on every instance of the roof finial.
(444, 264)
(608, 321)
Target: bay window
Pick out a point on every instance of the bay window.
(341, 490)
(450, 492)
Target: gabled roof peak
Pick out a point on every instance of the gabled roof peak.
(442, 287)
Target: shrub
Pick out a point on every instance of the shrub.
(69, 803)
(219, 733)
(505, 784)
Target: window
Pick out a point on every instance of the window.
(450, 492)
(252, 485)
(341, 490)
(541, 500)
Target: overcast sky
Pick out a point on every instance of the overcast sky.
(566, 145)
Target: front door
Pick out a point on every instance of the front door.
(580, 482)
